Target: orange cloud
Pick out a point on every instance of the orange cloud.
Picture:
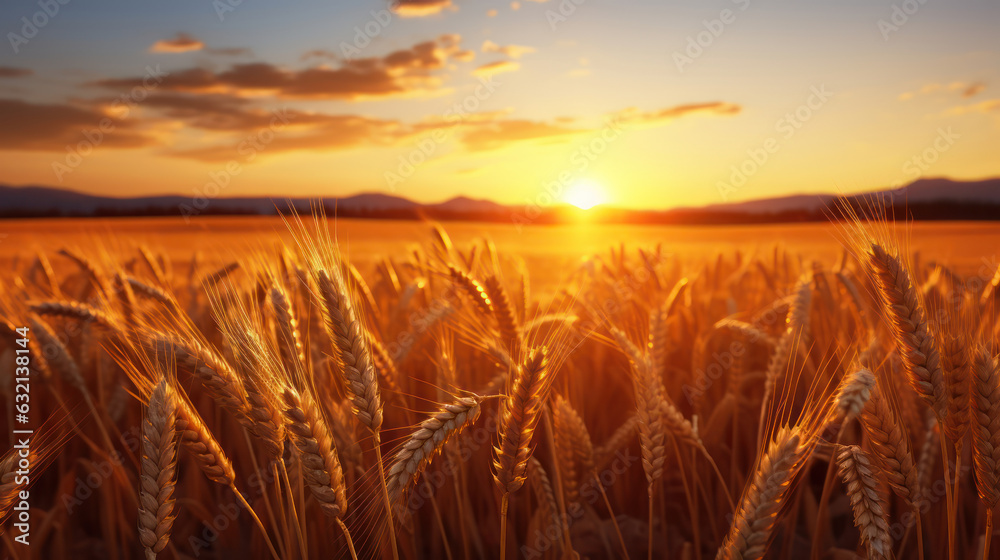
(988, 106)
(181, 43)
(50, 127)
(633, 117)
(501, 133)
(421, 8)
(496, 68)
(966, 90)
(12, 72)
(973, 90)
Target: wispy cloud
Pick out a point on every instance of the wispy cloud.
(182, 42)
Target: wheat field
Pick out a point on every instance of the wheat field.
(437, 403)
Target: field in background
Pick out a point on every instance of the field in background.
(548, 250)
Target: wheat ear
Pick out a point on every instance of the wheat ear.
(750, 533)
(871, 514)
(891, 446)
(73, 310)
(519, 417)
(547, 505)
(957, 367)
(220, 381)
(472, 288)
(573, 448)
(520, 414)
(986, 426)
(428, 440)
(158, 472)
(916, 345)
(503, 311)
(288, 329)
(854, 393)
(199, 441)
(352, 350)
(314, 442)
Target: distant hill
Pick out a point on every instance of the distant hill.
(924, 199)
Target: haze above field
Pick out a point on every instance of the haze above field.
(497, 100)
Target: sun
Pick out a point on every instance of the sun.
(585, 195)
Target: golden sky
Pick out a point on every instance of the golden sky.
(643, 104)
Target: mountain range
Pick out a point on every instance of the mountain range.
(937, 198)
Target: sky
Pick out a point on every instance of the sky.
(641, 104)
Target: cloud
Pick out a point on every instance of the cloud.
(181, 43)
(421, 8)
(12, 72)
(973, 89)
(295, 131)
(50, 127)
(987, 106)
(496, 68)
(513, 51)
(501, 133)
(400, 73)
(636, 118)
(491, 13)
(965, 90)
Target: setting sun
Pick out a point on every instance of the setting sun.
(585, 195)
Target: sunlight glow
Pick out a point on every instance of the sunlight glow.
(585, 195)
